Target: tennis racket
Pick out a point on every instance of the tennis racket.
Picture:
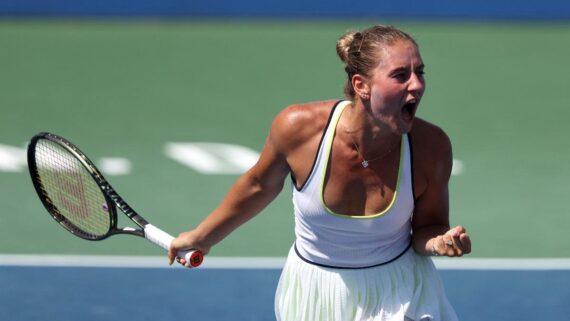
(81, 200)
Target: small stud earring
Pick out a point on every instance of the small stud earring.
(364, 96)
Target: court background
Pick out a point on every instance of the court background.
(127, 85)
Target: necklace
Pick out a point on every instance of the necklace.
(365, 162)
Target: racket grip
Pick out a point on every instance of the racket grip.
(163, 239)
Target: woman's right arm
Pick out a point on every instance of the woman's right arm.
(251, 193)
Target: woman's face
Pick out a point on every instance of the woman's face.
(397, 86)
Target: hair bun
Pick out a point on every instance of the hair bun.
(343, 45)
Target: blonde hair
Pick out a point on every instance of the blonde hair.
(359, 51)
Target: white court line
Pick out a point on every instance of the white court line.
(522, 264)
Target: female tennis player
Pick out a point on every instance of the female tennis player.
(370, 193)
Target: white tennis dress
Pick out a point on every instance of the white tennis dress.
(356, 268)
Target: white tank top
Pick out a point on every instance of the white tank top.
(329, 239)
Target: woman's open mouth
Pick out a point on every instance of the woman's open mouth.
(409, 110)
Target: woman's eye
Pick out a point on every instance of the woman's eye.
(401, 76)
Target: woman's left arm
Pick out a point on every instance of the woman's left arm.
(431, 233)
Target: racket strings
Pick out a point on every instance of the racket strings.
(72, 191)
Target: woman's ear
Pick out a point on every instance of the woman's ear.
(361, 88)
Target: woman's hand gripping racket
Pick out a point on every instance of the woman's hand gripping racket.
(80, 199)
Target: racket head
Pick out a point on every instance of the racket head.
(69, 186)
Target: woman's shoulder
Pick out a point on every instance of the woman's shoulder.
(300, 114)
(431, 146)
(427, 134)
(297, 123)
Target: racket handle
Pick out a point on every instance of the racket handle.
(163, 239)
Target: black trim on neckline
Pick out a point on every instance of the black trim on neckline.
(351, 268)
(412, 166)
(318, 149)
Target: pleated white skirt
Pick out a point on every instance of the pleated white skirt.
(406, 289)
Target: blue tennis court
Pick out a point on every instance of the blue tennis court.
(31, 293)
